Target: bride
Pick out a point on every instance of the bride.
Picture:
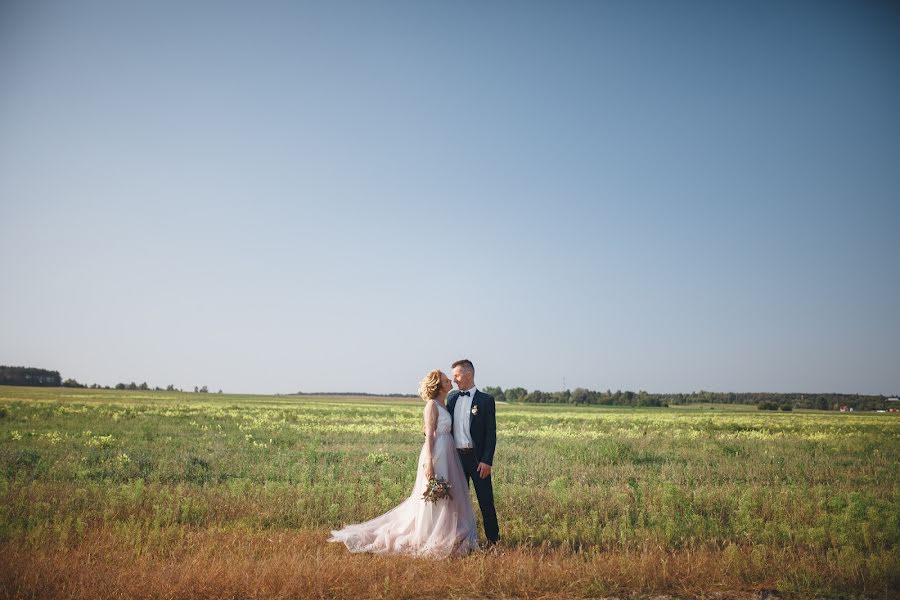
(436, 529)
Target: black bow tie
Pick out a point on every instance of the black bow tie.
(463, 394)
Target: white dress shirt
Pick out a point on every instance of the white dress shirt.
(461, 415)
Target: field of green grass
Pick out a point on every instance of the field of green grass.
(591, 501)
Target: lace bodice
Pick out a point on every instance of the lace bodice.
(444, 422)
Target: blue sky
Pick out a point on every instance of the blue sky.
(282, 196)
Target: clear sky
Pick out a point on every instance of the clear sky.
(339, 196)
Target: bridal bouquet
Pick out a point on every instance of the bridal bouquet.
(436, 489)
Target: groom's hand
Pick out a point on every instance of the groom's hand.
(484, 470)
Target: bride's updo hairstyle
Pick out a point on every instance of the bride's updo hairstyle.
(430, 386)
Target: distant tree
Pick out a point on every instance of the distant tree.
(563, 397)
(144, 386)
(496, 392)
(196, 389)
(220, 391)
(580, 396)
(71, 383)
(536, 396)
(29, 376)
(203, 390)
(121, 386)
(515, 394)
(170, 388)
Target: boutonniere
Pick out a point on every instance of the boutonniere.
(474, 410)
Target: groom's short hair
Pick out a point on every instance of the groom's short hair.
(464, 362)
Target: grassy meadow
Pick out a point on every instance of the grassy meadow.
(116, 494)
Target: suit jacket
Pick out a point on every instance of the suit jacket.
(482, 424)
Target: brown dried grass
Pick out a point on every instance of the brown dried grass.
(300, 564)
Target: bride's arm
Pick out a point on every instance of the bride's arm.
(430, 417)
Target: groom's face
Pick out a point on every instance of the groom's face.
(463, 378)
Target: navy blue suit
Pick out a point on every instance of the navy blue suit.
(483, 430)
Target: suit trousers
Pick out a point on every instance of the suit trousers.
(484, 491)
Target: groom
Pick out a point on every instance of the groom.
(475, 434)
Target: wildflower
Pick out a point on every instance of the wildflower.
(53, 437)
(101, 441)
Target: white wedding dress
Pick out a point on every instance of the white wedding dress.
(434, 529)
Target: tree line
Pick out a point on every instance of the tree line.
(29, 376)
(763, 400)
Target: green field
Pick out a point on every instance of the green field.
(807, 503)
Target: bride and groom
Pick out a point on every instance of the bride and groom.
(460, 436)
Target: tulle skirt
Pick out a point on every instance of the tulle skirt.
(434, 529)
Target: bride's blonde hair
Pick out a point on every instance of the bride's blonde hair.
(429, 387)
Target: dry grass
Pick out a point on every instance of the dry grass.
(300, 564)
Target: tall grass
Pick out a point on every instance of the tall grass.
(591, 501)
